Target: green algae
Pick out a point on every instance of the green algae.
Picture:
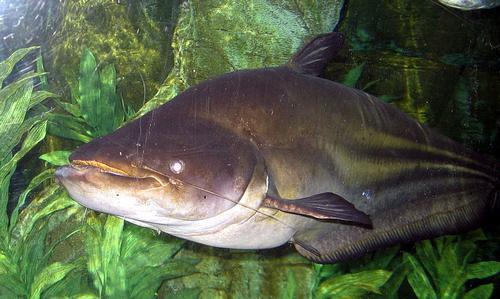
(24, 270)
(137, 46)
(223, 273)
(215, 37)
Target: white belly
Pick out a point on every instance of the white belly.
(257, 231)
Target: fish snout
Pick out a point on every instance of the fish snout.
(60, 174)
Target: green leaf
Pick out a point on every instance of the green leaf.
(40, 96)
(480, 292)
(352, 77)
(14, 110)
(428, 258)
(109, 109)
(418, 278)
(44, 84)
(35, 182)
(353, 285)
(67, 133)
(329, 270)
(88, 88)
(54, 200)
(69, 127)
(57, 158)
(7, 65)
(389, 98)
(11, 139)
(49, 276)
(370, 84)
(391, 287)
(103, 245)
(9, 97)
(482, 270)
(15, 287)
(71, 108)
(35, 135)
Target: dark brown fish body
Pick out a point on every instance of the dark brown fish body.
(281, 133)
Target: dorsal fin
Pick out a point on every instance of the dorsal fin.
(314, 56)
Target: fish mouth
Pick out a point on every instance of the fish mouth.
(81, 169)
(82, 164)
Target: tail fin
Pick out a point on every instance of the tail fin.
(449, 214)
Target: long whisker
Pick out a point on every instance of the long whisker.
(257, 211)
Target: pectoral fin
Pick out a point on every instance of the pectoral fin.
(324, 206)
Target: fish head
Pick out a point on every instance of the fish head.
(156, 170)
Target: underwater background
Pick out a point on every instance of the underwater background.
(71, 71)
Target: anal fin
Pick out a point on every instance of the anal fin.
(323, 206)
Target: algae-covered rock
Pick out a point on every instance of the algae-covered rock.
(129, 34)
(223, 273)
(219, 36)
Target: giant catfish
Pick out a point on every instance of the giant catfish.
(257, 158)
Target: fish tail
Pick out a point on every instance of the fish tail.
(447, 214)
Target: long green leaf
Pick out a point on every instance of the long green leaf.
(53, 200)
(103, 249)
(12, 139)
(35, 182)
(480, 292)
(35, 135)
(4, 199)
(70, 127)
(88, 88)
(111, 252)
(13, 285)
(352, 77)
(7, 65)
(14, 113)
(482, 269)
(8, 92)
(109, 107)
(44, 84)
(428, 258)
(71, 108)
(391, 287)
(67, 133)
(40, 96)
(418, 279)
(49, 276)
(57, 158)
(353, 285)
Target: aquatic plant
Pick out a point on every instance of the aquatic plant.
(95, 108)
(442, 267)
(25, 270)
(352, 285)
(353, 77)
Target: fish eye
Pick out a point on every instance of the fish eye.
(177, 166)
